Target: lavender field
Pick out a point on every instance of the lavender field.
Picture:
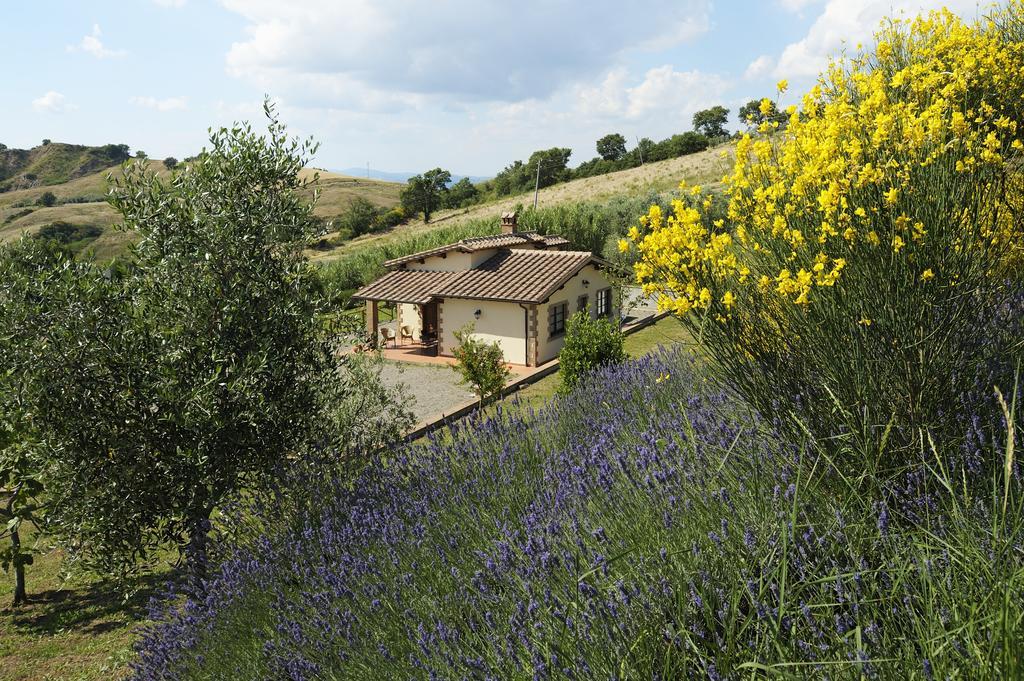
(646, 526)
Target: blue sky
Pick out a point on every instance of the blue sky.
(406, 85)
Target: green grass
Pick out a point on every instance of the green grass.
(79, 628)
(667, 332)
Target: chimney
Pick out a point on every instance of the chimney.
(508, 223)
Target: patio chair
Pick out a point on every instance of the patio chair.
(406, 333)
(386, 335)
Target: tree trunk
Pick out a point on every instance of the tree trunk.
(198, 549)
(20, 597)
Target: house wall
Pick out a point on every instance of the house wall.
(548, 347)
(456, 261)
(409, 315)
(451, 262)
(504, 323)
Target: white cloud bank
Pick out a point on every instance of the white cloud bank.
(91, 44)
(52, 102)
(365, 54)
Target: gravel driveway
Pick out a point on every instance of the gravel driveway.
(434, 390)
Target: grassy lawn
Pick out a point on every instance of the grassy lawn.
(665, 332)
(73, 629)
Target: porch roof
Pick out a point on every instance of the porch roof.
(405, 286)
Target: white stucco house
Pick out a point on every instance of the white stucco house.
(517, 288)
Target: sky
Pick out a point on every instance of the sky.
(408, 85)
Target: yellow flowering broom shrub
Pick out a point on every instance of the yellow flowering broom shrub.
(861, 243)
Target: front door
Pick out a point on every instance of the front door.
(430, 322)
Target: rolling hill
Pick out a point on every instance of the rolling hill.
(55, 163)
(77, 178)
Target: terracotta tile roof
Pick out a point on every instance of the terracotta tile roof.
(405, 286)
(484, 242)
(520, 276)
(513, 275)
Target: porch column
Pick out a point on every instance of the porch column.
(371, 323)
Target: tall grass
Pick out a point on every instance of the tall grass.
(645, 526)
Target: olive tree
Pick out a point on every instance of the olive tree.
(197, 373)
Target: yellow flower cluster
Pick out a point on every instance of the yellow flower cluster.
(847, 178)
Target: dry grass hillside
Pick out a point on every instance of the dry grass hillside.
(81, 202)
(706, 167)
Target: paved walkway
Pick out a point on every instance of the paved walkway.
(434, 388)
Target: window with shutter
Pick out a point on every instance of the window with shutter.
(556, 319)
(583, 304)
(604, 303)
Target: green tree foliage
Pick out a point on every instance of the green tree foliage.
(170, 163)
(482, 365)
(462, 193)
(141, 155)
(644, 148)
(361, 217)
(611, 147)
(47, 199)
(589, 344)
(711, 122)
(521, 177)
(426, 192)
(161, 391)
(680, 145)
(753, 115)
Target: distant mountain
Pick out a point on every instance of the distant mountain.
(54, 163)
(400, 177)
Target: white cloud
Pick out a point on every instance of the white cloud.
(94, 46)
(665, 90)
(389, 53)
(169, 104)
(663, 94)
(847, 22)
(52, 102)
(759, 68)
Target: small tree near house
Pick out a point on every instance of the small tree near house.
(481, 364)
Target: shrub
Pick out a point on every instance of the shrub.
(482, 365)
(589, 344)
(66, 233)
(360, 217)
(47, 199)
(170, 163)
(862, 247)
